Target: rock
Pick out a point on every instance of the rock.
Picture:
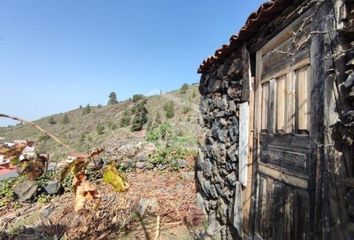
(146, 205)
(140, 165)
(99, 163)
(200, 201)
(161, 167)
(232, 106)
(221, 212)
(47, 210)
(141, 157)
(213, 229)
(54, 187)
(234, 133)
(207, 168)
(149, 166)
(26, 190)
(149, 149)
(182, 163)
(188, 175)
(231, 179)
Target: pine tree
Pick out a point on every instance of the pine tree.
(112, 98)
(65, 119)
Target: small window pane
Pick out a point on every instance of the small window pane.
(281, 104)
(265, 99)
(303, 99)
(290, 103)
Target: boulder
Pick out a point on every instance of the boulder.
(140, 165)
(26, 190)
(54, 187)
(181, 163)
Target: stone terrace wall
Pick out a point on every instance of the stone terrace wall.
(217, 166)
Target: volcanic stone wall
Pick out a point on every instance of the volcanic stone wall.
(217, 166)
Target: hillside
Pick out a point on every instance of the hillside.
(102, 125)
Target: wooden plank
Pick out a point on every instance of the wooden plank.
(290, 161)
(289, 214)
(262, 206)
(278, 211)
(237, 209)
(298, 142)
(302, 98)
(271, 107)
(247, 191)
(243, 144)
(258, 95)
(290, 96)
(283, 176)
(265, 106)
(269, 213)
(281, 105)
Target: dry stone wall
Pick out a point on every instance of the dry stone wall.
(217, 166)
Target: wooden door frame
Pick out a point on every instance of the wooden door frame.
(255, 122)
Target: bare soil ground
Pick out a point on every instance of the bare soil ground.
(116, 217)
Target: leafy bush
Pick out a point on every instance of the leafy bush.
(162, 132)
(186, 109)
(112, 125)
(125, 121)
(52, 121)
(137, 123)
(157, 121)
(6, 193)
(167, 155)
(86, 110)
(100, 129)
(194, 93)
(137, 97)
(169, 108)
(184, 88)
(65, 119)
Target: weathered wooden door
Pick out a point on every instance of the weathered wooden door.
(282, 137)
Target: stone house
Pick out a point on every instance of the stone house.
(277, 109)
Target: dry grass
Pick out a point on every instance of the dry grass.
(116, 216)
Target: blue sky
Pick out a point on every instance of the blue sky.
(58, 54)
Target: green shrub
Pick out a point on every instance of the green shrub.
(86, 110)
(167, 155)
(125, 121)
(149, 125)
(137, 97)
(157, 120)
(194, 93)
(163, 132)
(65, 119)
(82, 137)
(100, 129)
(186, 109)
(184, 88)
(52, 121)
(169, 108)
(137, 123)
